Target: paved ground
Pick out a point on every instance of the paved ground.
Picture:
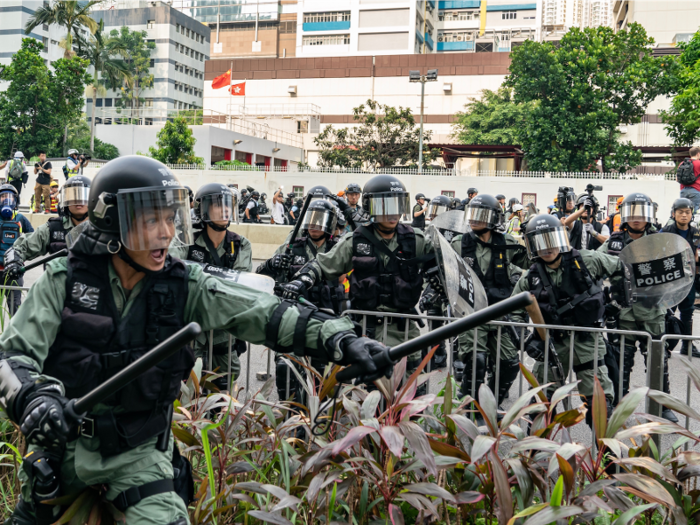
(258, 362)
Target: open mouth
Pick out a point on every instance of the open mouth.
(158, 256)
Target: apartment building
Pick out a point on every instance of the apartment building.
(558, 16)
(177, 62)
(666, 21)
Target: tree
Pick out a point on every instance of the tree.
(683, 118)
(137, 53)
(583, 91)
(492, 119)
(71, 14)
(79, 138)
(385, 137)
(39, 103)
(103, 57)
(175, 144)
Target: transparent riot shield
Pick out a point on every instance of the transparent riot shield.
(450, 224)
(463, 288)
(662, 268)
(262, 283)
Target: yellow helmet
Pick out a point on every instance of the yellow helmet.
(54, 183)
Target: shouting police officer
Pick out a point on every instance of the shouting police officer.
(215, 206)
(116, 295)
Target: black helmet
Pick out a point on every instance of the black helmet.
(500, 197)
(419, 196)
(319, 192)
(513, 200)
(438, 205)
(321, 215)
(471, 191)
(190, 193)
(681, 204)
(263, 196)
(582, 198)
(385, 198)
(565, 195)
(215, 202)
(636, 207)
(9, 200)
(544, 234)
(455, 203)
(483, 212)
(290, 195)
(75, 192)
(244, 191)
(126, 190)
(255, 193)
(353, 187)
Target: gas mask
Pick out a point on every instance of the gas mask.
(7, 205)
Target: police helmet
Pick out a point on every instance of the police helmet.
(342, 222)
(75, 192)
(682, 204)
(255, 193)
(215, 202)
(438, 205)
(353, 187)
(419, 196)
(321, 215)
(385, 198)
(244, 192)
(455, 203)
(319, 192)
(565, 195)
(291, 195)
(636, 207)
(545, 234)
(483, 212)
(139, 202)
(9, 200)
(263, 196)
(472, 191)
(500, 197)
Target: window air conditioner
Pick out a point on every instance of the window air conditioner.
(460, 38)
(440, 38)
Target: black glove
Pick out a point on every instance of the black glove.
(588, 203)
(434, 279)
(280, 261)
(342, 203)
(534, 346)
(427, 300)
(514, 278)
(365, 353)
(240, 347)
(13, 264)
(44, 422)
(293, 289)
(612, 310)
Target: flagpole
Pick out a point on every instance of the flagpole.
(244, 95)
(230, 95)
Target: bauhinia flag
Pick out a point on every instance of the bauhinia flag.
(221, 80)
(237, 90)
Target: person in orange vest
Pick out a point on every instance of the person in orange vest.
(613, 221)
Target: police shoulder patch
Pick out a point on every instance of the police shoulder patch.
(85, 296)
(364, 249)
(197, 255)
(616, 245)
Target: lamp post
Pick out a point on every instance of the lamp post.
(415, 76)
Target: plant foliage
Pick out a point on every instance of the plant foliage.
(175, 144)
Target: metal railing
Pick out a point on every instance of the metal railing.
(280, 111)
(566, 175)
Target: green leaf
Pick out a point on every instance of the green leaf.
(557, 493)
(624, 409)
(550, 514)
(627, 517)
(600, 409)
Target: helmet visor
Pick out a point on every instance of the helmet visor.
(637, 211)
(389, 206)
(218, 208)
(8, 199)
(75, 196)
(319, 220)
(549, 242)
(152, 219)
(434, 210)
(479, 218)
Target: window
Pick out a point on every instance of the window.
(187, 33)
(148, 103)
(54, 43)
(45, 41)
(153, 63)
(151, 24)
(484, 48)
(447, 193)
(326, 40)
(335, 16)
(298, 191)
(509, 15)
(612, 204)
(108, 102)
(288, 27)
(191, 72)
(529, 198)
(454, 16)
(45, 27)
(456, 36)
(177, 28)
(98, 103)
(187, 51)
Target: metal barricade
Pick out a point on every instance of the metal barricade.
(229, 360)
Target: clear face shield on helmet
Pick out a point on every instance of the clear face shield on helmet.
(75, 196)
(386, 207)
(220, 207)
(548, 243)
(637, 211)
(478, 218)
(152, 219)
(319, 220)
(8, 202)
(434, 210)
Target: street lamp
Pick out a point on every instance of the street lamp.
(415, 76)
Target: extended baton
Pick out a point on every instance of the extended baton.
(297, 226)
(488, 314)
(34, 264)
(172, 344)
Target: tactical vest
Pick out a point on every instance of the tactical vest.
(616, 242)
(57, 234)
(232, 247)
(95, 343)
(576, 236)
(398, 285)
(253, 212)
(418, 222)
(9, 233)
(324, 294)
(577, 301)
(496, 281)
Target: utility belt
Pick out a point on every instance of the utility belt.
(590, 365)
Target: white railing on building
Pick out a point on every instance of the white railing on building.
(281, 111)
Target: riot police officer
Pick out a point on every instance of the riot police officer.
(636, 217)
(386, 257)
(418, 212)
(115, 296)
(252, 209)
(471, 193)
(567, 284)
(353, 192)
(502, 201)
(585, 232)
(496, 259)
(50, 237)
(215, 207)
(12, 225)
(456, 204)
(566, 202)
(438, 205)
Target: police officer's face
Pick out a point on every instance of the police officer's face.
(683, 216)
(353, 198)
(218, 214)
(316, 234)
(389, 225)
(637, 225)
(78, 209)
(550, 255)
(158, 228)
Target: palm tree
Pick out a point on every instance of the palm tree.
(71, 14)
(103, 56)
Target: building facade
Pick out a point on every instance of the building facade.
(177, 63)
(558, 16)
(668, 22)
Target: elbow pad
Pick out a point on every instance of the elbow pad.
(309, 274)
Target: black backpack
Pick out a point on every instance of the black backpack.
(686, 173)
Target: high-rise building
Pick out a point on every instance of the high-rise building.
(558, 16)
(668, 22)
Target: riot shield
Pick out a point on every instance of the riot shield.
(662, 268)
(450, 224)
(463, 288)
(262, 283)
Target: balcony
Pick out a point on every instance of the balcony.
(429, 41)
(327, 26)
(459, 4)
(455, 46)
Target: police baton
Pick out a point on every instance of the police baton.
(77, 408)
(449, 330)
(297, 226)
(34, 264)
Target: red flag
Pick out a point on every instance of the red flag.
(221, 80)
(237, 90)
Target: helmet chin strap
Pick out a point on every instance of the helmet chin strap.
(79, 218)
(383, 229)
(216, 227)
(554, 260)
(136, 266)
(638, 232)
